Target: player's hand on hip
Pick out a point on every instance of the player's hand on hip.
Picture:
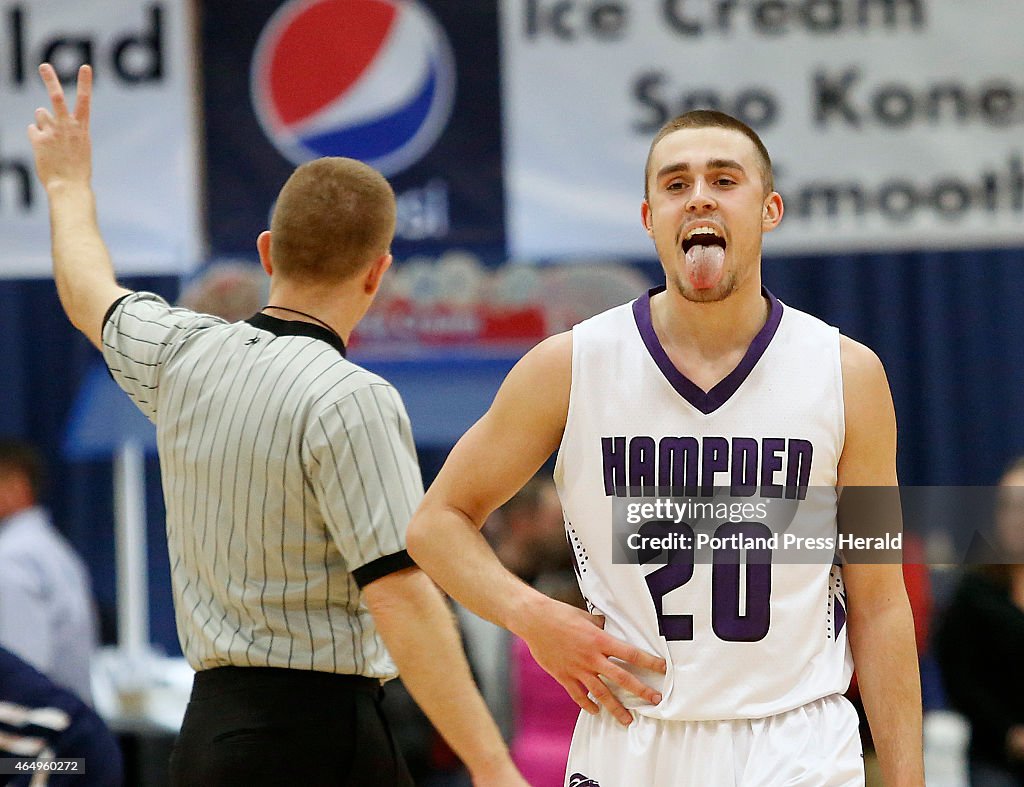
(573, 648)
(60, 139)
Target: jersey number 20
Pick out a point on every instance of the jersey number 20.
(729, 621)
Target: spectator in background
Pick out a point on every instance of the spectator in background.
(42, 721)
(980, 646)
(530, 534)
(47, 613)
(228, 289)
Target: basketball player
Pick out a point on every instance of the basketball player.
(289, 475)
(706, 378)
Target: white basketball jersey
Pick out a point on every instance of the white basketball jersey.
(743, 638)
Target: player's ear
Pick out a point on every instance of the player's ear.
(263, 248)
(773, 210)
(645, 217)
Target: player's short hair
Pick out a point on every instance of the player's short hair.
(709, 118)
(333, 217)
(19, 457)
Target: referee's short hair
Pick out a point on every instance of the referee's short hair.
(20, 457)
(333, 217)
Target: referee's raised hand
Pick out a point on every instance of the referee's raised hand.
(82, 268)
(60, 139)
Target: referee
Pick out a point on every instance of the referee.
(289, 476)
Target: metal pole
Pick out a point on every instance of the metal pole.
(132, 570)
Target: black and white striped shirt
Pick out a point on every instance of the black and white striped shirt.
(289, 475)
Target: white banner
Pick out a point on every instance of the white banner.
(892, 124)
(143, 127)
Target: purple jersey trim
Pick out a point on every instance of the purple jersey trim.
(706, 402)
(839, 615)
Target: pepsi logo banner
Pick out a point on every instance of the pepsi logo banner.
(143, 127)
(409, 86)
(387, 86)
(893, 124)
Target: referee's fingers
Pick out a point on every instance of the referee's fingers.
(44, 119)
(53, 88)
(83, 95)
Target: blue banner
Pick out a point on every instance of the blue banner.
(409, 87)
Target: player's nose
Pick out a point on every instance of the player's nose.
(701, 198)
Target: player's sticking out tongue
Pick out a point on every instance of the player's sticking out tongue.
(705, 257)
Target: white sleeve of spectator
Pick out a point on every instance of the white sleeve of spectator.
(25, 625)
(365, 472)
(140, 333)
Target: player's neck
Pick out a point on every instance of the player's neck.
(707, 341)
(710, 330)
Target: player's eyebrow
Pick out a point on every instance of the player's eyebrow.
(725, 163)
(712, 164)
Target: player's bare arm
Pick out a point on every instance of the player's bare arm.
(421, 636)
(63, 155)
(880, 622)
(492, 461)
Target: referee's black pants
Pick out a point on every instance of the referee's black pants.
(255, 726)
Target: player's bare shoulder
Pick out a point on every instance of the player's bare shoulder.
(545, 372)
(863, 373)
(552, 356)
(534, 397)
(869, 449)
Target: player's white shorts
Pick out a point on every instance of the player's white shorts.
(815, 745)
